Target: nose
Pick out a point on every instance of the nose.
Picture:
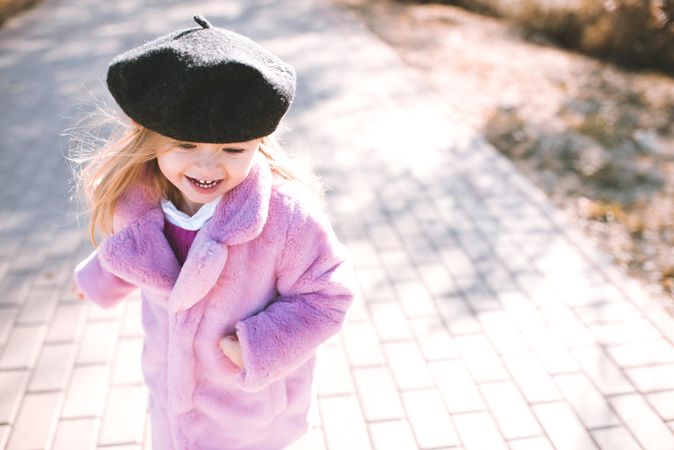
(206, 161)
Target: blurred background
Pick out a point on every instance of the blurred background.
(578, 94)
(501, 171)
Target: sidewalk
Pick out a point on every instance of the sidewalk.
(486, 321)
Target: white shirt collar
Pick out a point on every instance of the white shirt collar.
(195, 222)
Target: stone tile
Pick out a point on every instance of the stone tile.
(643, 353)
(510, 410)
(147, 444)
(615, 438)
(36, 422)
(511, 256)
(358, 311)
(65, 243)
(126, 368)
(534, 443)
(390, 321)
(98, 342)
(456, 386)
(53, 368)
(68, 322)
(119, 447)
(478, 295)
(429, 419)
(28, 259)
(77, 434)
(38, 307)
(562, 427)
(608, 312)
(498, 278)
(7, 319)
(392, 434)
(14, 289)
(343, 423)
(564, 323)
(550, 350)
(98, 314)
(643, 422)
(459, 318)
(22, 347)
(457, 261)
(434, 339)
(132, 324)
(398, 265)
(378, 394)
(520, 309)
(363, 253)
(652, 378)
(532, 379)
(502, 333)
(384, 236)
(414, 298)
(53, 273)
(590, 406)
(420, 250)
(362, 345)
(87, 391)
(481, 359)
(408, 365)
(478, 431)
(313, 440)
(374, 285)
(663, 403)
(123, 419)
(602, 371)
(12, 388)
(633, 330)
(333, 376)
(438, 280)
(4, 435)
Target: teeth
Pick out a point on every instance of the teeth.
(204, 183)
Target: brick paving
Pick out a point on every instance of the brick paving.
(486, 320)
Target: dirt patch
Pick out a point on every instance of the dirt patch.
(598, 139)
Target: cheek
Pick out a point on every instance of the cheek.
(239, 169)
(170, 165)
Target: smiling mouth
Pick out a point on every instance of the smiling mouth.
(203, 183)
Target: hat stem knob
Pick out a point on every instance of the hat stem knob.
(201, 21)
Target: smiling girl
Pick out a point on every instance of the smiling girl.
(241, 276)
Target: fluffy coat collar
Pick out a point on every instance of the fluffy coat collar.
(140, 253)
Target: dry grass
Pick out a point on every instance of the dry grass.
(9, 8)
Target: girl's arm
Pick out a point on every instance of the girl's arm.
(99, 285)
(316, 287)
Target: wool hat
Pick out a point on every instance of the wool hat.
(203, 84)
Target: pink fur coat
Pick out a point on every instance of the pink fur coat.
(266, 266)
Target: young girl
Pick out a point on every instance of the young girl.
(241, 276)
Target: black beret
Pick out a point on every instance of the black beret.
(203, 84)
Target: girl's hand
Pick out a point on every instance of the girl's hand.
(79, 295)
(232, 349)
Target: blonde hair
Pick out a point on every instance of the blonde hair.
(105, 168)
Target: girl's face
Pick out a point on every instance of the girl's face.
(202, 172)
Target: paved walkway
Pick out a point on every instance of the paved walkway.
(486, 321)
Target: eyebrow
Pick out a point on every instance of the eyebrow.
(224, 145)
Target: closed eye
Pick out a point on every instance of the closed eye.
(187, 146)
(233, 151)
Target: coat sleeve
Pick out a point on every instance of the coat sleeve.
(99, 285)
(316, 287)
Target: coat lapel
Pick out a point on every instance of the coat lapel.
(238, 218)
(140, 254)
